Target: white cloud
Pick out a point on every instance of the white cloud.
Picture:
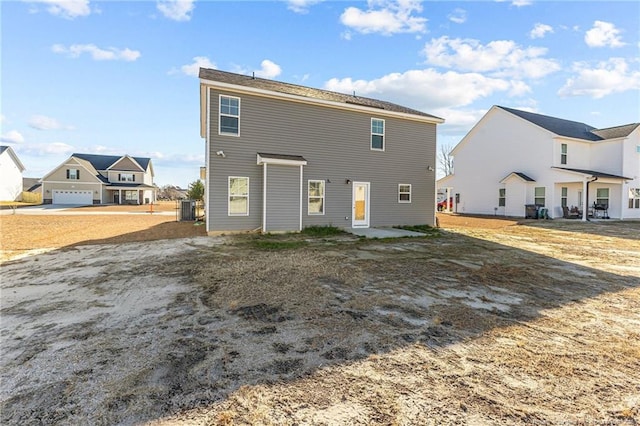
(12, 136)
(55, 148)
(540, 30)
(603, 34)
(458, 16)
(68, 9)
(426, 90)
(500, 57)
(521, 3)
(98, 54)
(42, 122)
(301, 6)
(390, 17)
(612, 76)
(177, 10)
(193, 69)
(269, 69)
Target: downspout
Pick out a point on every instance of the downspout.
(585, 211)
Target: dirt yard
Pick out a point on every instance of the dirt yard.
(491, 322)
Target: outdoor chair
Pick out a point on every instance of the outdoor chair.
(569, 214)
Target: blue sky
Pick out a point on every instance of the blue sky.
(120, 77)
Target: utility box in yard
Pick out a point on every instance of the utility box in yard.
(187, 210)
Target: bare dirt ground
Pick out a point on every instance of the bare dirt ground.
(492, 322)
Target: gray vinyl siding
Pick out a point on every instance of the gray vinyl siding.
(283, 198)
(336, 144)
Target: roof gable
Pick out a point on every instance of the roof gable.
(126, 163)
(616, 132)
(104, 162)
(307, 92)
(11, 153)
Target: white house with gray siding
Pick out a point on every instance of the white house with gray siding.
(281, 157)
(513, 158)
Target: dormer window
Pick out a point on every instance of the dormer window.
(73, 174)
(126, 177)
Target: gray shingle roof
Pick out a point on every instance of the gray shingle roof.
(593, 173)
(573, 129)
(308, 92)
(3, 148)
(103, 162)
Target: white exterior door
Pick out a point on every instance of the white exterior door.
(71, 196)
(360, 217)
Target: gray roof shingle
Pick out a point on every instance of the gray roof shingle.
(616, 132)
(294, 89)
(103, 162)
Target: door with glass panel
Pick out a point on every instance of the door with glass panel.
(360, 205)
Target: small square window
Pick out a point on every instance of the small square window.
(404, 193)
(73, 174)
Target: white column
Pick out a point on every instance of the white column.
(446, 206)
(119, 196)
(585, 208)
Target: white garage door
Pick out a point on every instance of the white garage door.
(61, 196)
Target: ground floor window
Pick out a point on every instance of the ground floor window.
(563, 197)
(238, 196)
(602, 197)
(539, 196)
(634, 198)
(316, 197)
(131, 195)
(404, 193)
(502, 197)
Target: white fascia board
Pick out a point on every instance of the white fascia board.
(282, 162)
(323, 102)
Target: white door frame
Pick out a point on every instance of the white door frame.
(360, 223)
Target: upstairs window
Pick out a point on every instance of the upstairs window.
(377, 134)
(404, 193)
(539, 196)
(316, 197)
(73, 174)
(563, 153)
(126, 177)
(229, 115)
(502, 197)
(238, 196)
(634, 198)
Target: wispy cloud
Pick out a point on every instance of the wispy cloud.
(193, 68)
(98, 54)
(500, 57)
(269, 69)
(42, 122)
(608, 77)
(68, 9)
(458, 16)
(540, 30)
(177, 10)
(386, 17)
(12, 136)
(301, 6)
(603, 34)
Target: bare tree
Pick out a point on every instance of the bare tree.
(445, 159)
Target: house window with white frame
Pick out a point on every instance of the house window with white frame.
(404, 193)
(315, 205)
(602, 197)
(634, 198)
(563, 153)
(229, 115)
(126, 177)
(131, 195)
(564, 191)
(73, 174)
(502, 197)
(377, 134)
(539, 196)
(238, 196)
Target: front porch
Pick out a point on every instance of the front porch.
(135, 194)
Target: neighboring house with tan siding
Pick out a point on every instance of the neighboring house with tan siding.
(11, 169)
(281, 157)
(100, 179)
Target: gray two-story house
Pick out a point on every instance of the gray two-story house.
(281, 157)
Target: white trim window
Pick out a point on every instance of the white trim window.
(131, 195)
(539, 195)
(377, 134)
(404, 192)
(634, 198)
(238, 202)
(126, 177)
(563, 153)
(315, 204)
(564, 194)
(502, 197)
(602, 197)
(229, 122)
(73, 174)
